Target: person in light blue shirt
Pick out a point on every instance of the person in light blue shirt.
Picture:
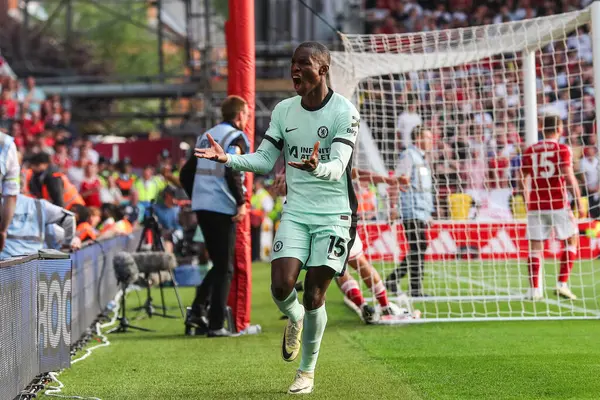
(415, 210)
(167, 211)
(33, 97)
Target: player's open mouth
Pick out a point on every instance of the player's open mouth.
(297, 82)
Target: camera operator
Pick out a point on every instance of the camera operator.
(167, 211)
(32, 221)
(219, 199)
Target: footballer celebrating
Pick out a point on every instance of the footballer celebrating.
(356, 257)
(316, 132)
(550, 166)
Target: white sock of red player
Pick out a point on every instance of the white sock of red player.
(566, 264)
(352, 291)
(380, 293)
(534, 263)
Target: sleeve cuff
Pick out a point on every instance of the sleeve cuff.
(228, 162)
(317, 171)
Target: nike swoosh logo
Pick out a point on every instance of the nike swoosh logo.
(289, 130)
(331, 258)
(316, 352)
(299, 390)
(286, 355)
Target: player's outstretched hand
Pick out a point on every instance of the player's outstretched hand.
(579, 210)
(214, 152)
(399, 182)
(309, 164)
(403, 181)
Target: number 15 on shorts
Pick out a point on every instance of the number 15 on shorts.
(337, 248)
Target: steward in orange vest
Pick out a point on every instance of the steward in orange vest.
(126, 179)
(45, 181)
(125, 183)
(85, 230)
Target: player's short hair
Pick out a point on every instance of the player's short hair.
(231, 107)
(40, 158)
(318, 50)
(550, 124)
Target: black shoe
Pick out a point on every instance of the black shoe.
(368, 314)
(392, 287)
(193, 320)
(219, 333)
(418, 293)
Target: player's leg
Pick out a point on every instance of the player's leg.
(534, 265)
(290, 248)
(538, 230)
(392, 280)
(316, 282)
(372, 279)
(329, 253)
(415, 234)
(566, 229)
(349, 286)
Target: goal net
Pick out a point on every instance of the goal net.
(480, 91)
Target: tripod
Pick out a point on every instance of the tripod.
(152, 230)
(124, 324)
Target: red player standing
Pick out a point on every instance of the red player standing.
(550, 166)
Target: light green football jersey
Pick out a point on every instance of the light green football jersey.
(325, 196)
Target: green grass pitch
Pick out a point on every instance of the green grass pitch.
(467, 360)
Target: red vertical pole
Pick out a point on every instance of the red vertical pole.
(241, 69)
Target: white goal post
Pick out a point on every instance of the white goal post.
(481, 91)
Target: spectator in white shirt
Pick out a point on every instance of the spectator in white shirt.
(9, 187)
(561, 104)
(408, 120)
(76, 173)
(88, 148)
(588, 167)
(32, 95)
(582, 42)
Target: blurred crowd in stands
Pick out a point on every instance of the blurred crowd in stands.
(476, 110)
(406, 16)
(60, 165)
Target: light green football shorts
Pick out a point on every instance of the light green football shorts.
(314, 245)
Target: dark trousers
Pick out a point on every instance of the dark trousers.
(219, 237)
(415, 231)
(594, 206)
(255, 233)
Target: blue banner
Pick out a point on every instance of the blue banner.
(54, 314)
(19, 359)
(93, 281)
(47, 303)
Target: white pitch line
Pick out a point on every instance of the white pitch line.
(515, 293)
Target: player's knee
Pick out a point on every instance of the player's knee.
(313, 298)
(282, 288)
